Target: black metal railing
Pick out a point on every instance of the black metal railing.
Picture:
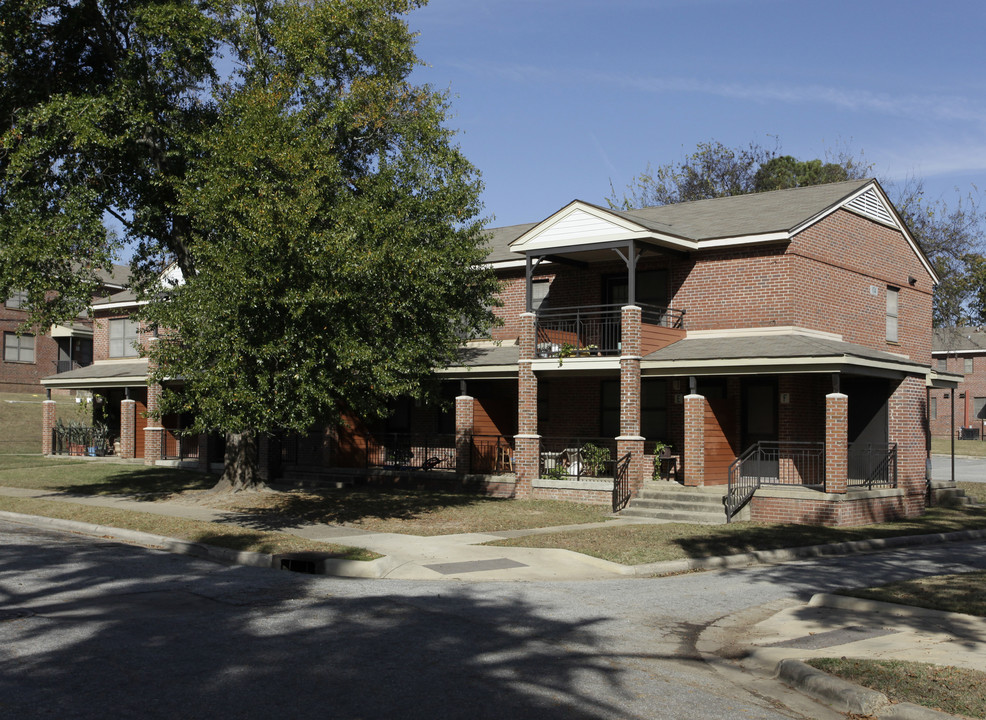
(80, 440)
(872, 465)
(491, 454)
(773, 463)
(621, 483)
(408, 451)
(587, 331)
(178, 445)
(577, 458)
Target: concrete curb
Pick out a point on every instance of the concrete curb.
(847, 697)
(765, 557)
(845, 602)
(331, 566)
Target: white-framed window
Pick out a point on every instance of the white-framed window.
(124, 333)
(969, 365)
(17, 299)
(18, 348)
(893, 297)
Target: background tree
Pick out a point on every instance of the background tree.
(951, 236)
(323, 221)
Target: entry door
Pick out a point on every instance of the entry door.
(759, 423)
(868, 424)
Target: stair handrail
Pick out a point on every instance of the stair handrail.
(621, 483)
(739, 491)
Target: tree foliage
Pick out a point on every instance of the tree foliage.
(323, 220)
(950, 235)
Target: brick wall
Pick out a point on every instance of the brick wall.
(974, 386)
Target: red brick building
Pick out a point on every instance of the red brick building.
(963, 412)
(779, 343)
(28, 357)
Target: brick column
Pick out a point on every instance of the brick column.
(694, 451)
(48, 408)
(630, 439)
(128, 429)
(464, 405)
(153, 432)
(836, 442)
(527, 442)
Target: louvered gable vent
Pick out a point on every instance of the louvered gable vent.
(872, 206)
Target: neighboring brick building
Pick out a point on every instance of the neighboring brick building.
(961, 351)
(779, 342)
(27, 358)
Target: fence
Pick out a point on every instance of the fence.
(592, 330)
(177, 445)
(774, 463)
(491, 454)
(873, 465)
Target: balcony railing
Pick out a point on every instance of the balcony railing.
(177, 445)
(774, 463)
(873, 465)
(578, 458)
(592, 330)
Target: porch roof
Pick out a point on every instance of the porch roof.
(489, 361)
(774, 352)
(101, 374)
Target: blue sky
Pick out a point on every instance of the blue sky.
(554, 99)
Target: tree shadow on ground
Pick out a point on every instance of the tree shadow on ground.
(142, 483)
(107, 631)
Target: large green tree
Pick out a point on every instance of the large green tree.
(321, 217)
(950, 235)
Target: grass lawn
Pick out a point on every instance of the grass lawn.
(953, 690)
(637, 544)
(210, 533)
(975, 490)
(943, 446)
(20, 420)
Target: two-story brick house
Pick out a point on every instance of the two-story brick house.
(780, 343)
(28, 357)
(962, 412)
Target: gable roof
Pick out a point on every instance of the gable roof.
(773, 216)
(958, 341)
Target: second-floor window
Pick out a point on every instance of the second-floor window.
(17, 299)
(124, 333)
(18, 349)
(943, 364)
(969, 366)
(892, 307)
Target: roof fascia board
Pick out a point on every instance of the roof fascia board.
(778, 236)
(489, 372)
(949, 353)
(87, 383)
(830, 363)
(119, 305)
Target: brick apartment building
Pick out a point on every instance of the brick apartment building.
(779, 343)
(31, 356)
(961, 351)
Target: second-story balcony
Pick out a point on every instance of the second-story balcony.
(597, 330)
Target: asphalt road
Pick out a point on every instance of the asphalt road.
(966, 469)
(93, 629)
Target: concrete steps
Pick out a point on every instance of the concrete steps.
(945, 493)
(661, 500)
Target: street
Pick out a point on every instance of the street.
(93, 629)
(966, 469)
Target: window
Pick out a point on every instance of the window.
(933, 407)
(969, 365)
(943, 364)
(539, 293)
(892, 306)
(17, 300)
(18, 349)
(979, 408)
(124, 332)
(653, 409)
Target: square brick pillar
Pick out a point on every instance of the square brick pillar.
(836, 442)
(153, 432)
(694, 450)
(630, 439)
(48, 408)
(464, 406)
(527, 441)
(128, 429)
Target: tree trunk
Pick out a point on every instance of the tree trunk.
(241, 472)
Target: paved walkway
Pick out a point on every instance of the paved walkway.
(827, 626)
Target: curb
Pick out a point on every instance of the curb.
(329, 566)
(846, 602)
(847, 697)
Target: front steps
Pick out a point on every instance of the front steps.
(947, 494)
(663, 500)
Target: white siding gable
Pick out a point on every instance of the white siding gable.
(576, 227)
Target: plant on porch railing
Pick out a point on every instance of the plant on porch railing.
(575, 458)
(76, 438)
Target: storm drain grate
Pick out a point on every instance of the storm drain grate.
(298, 565)
(842, 636)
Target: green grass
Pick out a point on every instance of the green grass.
(20, 420)
(943, 446)
(952, 690)
(975, 490)
(210, 533)
(637, 544)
